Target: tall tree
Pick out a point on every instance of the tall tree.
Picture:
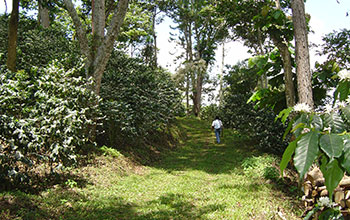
(302, 53)
(281, 42)
(12, 36)
(261, 21)
(97, 55)
(200, 30)
(43, 13)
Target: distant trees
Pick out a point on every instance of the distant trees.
(201, 28)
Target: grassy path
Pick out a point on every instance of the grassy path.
(199, 180)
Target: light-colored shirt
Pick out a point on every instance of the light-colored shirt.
(217, 124)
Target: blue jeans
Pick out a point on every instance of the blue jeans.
(217, 134)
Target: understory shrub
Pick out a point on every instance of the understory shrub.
(138, 100)
(38, 46)
(209, 112)
(44, 117)
(260, 124)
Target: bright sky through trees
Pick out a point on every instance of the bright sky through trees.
(326, 16)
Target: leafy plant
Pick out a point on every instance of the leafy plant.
(328, 210)
(321, 137)
(238, 114)
(209, 112)
(137, 100)
(44, 116)
(38, 46)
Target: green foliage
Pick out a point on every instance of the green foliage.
(38, 46)
(110, 151)
(260, 167)
(44, 116)
(325, 211)
(209, 112)
(238, 114)
(320, 138)
(337, 47)
(273, 96)
(137, 100)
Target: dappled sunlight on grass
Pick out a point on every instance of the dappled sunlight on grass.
(198, 180)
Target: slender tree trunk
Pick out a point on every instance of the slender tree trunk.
(12, 37)
(197, 99)
(222, 74)
(187, 93)
(278, 4)
(287, 67)
(263, 78)
(43, 15)
(302, 53)
(190, 75)
(102, 46)
(155, 50)
(198, 83)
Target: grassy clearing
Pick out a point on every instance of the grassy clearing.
(199, 180)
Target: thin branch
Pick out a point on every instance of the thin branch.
(80, 30)
(5, 6)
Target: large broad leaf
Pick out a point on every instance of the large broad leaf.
(346, 159)
(306, 152)
(317, 123)
(288, 129)
(332, 175)
(277, 14)
(299, 124)
(346, 113)
(343, 90)
(332, 145)
(284, 114)
(287, 155)
(335, 122)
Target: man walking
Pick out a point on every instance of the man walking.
(217, 126)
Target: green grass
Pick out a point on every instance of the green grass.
(198, 180)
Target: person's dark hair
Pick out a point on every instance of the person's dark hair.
(217, 117)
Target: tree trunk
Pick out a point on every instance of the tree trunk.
(287, 67)
(102, 46)
(43, 15)
(197, 94)
(222, 74)
(189, 59)
(263, 79)
(302, 53)
(155, 50)
(98, 54)
(12, 37)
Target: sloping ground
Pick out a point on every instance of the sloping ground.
(199, 180)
